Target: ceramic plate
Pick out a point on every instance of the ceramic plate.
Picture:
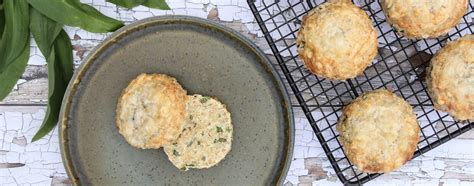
(205, 58)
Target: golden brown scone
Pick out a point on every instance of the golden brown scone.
(420, 19)
(151, 111)
(206, 137)
(337, 40)
(450, 78)
(378, 131)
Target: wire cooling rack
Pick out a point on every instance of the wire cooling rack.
(399, 66)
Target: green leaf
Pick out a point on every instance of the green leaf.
(63, 48)
(158, 4)
(49, 122)
(14, 48)
(16, 34)
(44, 30)
(75, 13)
(12, 72)
(2, 21)
(127, 3)
(59, 74)
(56, 46)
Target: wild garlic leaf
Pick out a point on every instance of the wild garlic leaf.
(44, 31)
(127, 3)
(16, 34)
(2, 20)
(13, 71)
(158, 4)
(59, 74)
(14, 48)
(75, 13)
(63, 47)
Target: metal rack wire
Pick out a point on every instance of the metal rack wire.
(399, 66)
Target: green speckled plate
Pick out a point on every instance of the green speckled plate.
(206, 58)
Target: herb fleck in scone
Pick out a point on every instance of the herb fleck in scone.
(151, 111)
(424, 18)
(206, 137)
(378, 131)
(337, 40)
(450, 78)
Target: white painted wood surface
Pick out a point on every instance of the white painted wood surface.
(39, 163)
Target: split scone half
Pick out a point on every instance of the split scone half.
(206, 137)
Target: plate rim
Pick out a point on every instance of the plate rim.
(135, 26)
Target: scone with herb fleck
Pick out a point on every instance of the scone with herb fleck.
(450, 78)
(151, 111)
(419, 19)
(206, 137)
(337, 40)
(379, 131)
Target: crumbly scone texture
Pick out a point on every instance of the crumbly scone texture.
(151, 111)
(337, 40)
(418, 19)
(378, 131)
(206, 137)
(450, 78)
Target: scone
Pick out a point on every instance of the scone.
(151, 111)
(378, 131)
(450, 78)
(337, 40)
(206, 137)
(420, 19)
